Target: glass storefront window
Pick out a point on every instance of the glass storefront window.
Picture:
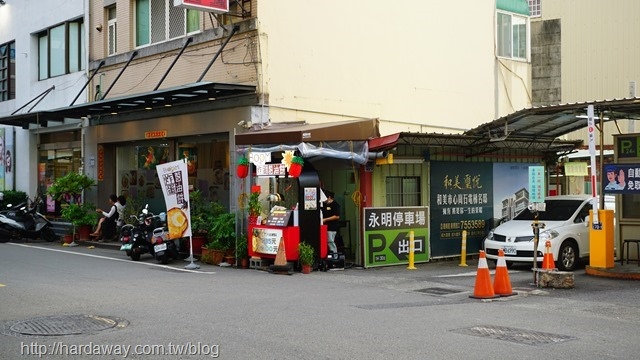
(53, 164)
(207, 167)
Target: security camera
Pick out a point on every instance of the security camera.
(530, 207)
(99, 27)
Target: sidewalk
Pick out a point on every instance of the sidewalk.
(629, 271)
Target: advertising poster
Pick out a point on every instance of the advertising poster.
(2, 159)
(265, 241)
(190, 155)
(175, 187)
(510, 189)
(8, 160)
(621, 179)
(461, 199)
(387, 235)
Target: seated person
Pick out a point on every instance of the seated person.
(107, 224)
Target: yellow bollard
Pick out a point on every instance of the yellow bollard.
(463, 253)
(412, 249)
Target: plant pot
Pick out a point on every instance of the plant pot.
(84, 231)
(198, 241)
(231, 260)
(306, 269)
(68, 238)
(216, 256)
(243, 263)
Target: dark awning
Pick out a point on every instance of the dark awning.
(287, 133)
(191, 94)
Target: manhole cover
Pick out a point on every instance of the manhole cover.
(63, 325)
(519, 336)
(438, 291)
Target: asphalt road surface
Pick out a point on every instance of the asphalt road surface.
(110, 307)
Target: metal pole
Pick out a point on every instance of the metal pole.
(87, 83)
(189, 40)
(134, 54)
(233, 31)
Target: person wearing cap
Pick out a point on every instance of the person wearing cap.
(611, 177)
(330, 217)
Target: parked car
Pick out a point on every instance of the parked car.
(565, 220)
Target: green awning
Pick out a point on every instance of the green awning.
(514, 6)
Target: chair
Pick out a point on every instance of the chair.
(625, 243)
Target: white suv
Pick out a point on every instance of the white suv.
(565, 222)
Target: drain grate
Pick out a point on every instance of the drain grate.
(438, 291)
(392, 306)
(519, 336)
(63, 325)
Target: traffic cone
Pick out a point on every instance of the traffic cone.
(483, 288)
(501, 283)
(547, 261)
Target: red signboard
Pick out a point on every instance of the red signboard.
(155, 134)
(215, 6)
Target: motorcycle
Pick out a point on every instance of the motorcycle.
(164, 249)
(24, 221)
(135, 237)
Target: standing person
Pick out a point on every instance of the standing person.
(330, 217)
(107, 224)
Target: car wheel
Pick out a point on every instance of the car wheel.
(567, 257)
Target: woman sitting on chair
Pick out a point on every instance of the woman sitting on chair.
(107, 224)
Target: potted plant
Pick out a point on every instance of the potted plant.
(213, 252)
(202, 214)
(306, 256)
(70, 187)
(222, 233)
(242, 251)
(80, 216)
(254, 207)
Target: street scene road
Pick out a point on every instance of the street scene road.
(110, 307)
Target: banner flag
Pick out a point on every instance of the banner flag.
(175, 187)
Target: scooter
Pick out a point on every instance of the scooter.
(164, 248)
(135, 238)
(24, 221)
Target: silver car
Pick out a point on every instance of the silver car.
(565, 222)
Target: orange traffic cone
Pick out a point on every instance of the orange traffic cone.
(547, 261)
(483, 288)
(501, 283)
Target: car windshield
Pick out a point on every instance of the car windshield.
(556, 210)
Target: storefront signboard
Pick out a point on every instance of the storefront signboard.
(270, 170)
(155, 134)
(387, 233)
(259, 158)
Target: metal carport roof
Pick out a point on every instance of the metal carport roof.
(550, 122)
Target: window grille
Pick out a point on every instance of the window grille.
(403, 191)
(534, 8)
(7, 71)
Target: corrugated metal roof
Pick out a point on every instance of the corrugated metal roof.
(553, 121)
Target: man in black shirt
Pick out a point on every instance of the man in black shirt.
(330, 217)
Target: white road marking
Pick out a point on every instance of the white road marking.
(114, 259)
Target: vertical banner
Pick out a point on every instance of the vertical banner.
(2, 159)
(386, 234)
(8, 160)
(537, 190)
(591, 131)
(175, 187)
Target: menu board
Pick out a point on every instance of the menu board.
(279, 218)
